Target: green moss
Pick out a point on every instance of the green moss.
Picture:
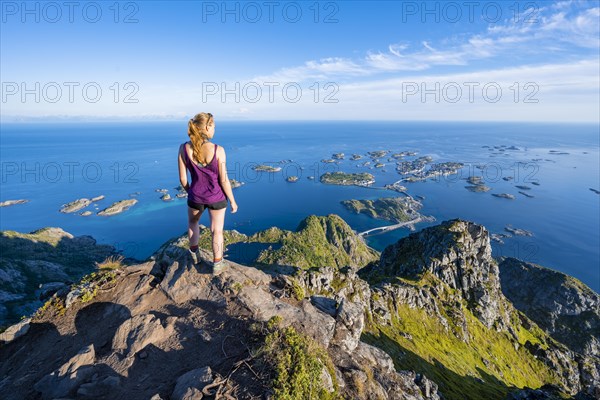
(236, 287)
(455, 365)
(270, 235)
(45, 235)
(90, 283)
(88, 294)
(54, 304)
(527, 330)
(320, 241)
(205, 239)
(337, 283)
(297, 290)
(298, 362)
(274, 322)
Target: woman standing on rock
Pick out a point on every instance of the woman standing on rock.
(210, 187)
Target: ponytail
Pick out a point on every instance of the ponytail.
(197, 131)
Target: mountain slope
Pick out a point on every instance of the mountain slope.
(427, 319)
(40, 262)
(559, 303)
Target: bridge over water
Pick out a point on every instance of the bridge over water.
(390, 227)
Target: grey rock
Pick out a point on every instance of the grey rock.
(324, 304)
(349, 323)
(563, 306)
(181, 284)
(98, 388)
(190, 384)
(459, 254)
(46, 290)
(69, 376)
(15, 331)
(307, 317)
(72, 297)
(326, 380)
(205, 335)
(136, 333)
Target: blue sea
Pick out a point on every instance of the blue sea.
(51, 164)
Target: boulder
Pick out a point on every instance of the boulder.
(69, 376)
(189, 385)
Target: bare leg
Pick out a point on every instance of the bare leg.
(193, 228)
(217, 220)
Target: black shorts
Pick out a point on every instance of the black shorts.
(213, 206)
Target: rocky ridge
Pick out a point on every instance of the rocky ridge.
(367, 313)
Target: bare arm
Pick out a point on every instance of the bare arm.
(223, 178)
(182, 169)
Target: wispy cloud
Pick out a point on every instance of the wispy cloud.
(559, 92)
(566, 27)
(314, 70)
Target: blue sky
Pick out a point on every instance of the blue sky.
(482, 60)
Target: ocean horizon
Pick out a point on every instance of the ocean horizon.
(56, 163)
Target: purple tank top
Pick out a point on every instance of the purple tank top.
(205, 187)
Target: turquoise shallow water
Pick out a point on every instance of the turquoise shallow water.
(52, 164)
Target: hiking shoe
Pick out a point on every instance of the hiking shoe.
(195, 255)
(219, 266)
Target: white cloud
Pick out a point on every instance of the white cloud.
(562, 27)
(565, 92)
(568, 89)
(313, 70)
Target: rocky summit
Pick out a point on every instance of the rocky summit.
(316, 315)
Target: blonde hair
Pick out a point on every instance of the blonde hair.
(198, 131)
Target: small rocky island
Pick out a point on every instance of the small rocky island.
(235, 183)
(292, 178)
(504, 195)
(475, 180)
(404, 154)
(393, 209)
(78, 204)
(396, 187)
(526, 194)
(266, 168)
(478, 188)
(343, 178)
(13, 202)
(377, 153)
(75, 205)
(118, 207)
(499, 237)
(415, 170)
(518, 231)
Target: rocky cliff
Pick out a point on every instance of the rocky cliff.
(431, 317)
(35, 265)
(560, 304)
